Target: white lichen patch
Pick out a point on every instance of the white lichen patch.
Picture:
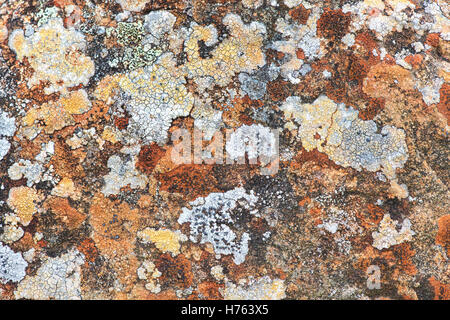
(211, 221)
(7, 125)
(4, 147)
(390, 233)
(157, 24)
(133, 5)
(55, 54)
(122, 173)
(34, 171)
(255, 289)
(58, 278)
(148, 272)
(157, 96)
(12, 265)
(349, 141)
(11, 229)
(296, 36)
(240, 52)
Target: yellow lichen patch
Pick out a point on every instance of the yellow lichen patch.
(164, 240)
(107, 88)
(55, 54)
(241, 52)
(133, 5)
(23, 201)
(53, 116)
(77, 102)
(110, 134)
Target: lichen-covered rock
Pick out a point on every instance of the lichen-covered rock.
(212, 149)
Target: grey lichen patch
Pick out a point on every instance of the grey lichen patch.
(12, 265)
(123, 173)
(57, 278)
(211, 221)
(349, 141)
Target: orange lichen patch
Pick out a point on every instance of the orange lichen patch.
(317, 214)
(374, 107)
(62, 3)
(313, 156)
(66, 162)
(414, 60)
(443, 105)
(393, 263)
(370, 216)
(333, 24)
(61, 208)
(169, 294)
(115, 226)
(367, 41)
(236, 113)
(279, 90)
(25, 243)
(300, 14)
(148, 157)
(404, 253)
(433, 39)
(175, 271)
(441, 290)
(98, 112)
(210, 290)
(443, 234)
(191, 180)
(23, 200)
(387, 81)
(121, 122)
(88, 248)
